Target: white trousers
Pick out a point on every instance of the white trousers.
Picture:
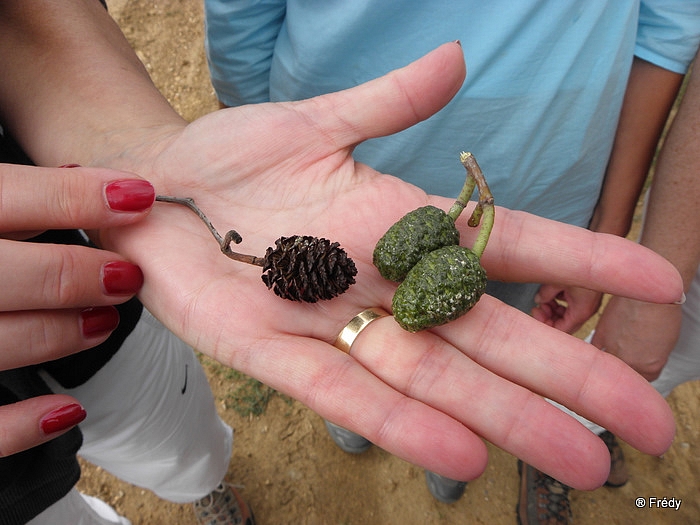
(78, 509)
(684, 361)
(151, 421)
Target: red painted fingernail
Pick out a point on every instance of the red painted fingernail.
(62, 418)
(121, 278)
(130, 195)
(98, 321)
(70, 166)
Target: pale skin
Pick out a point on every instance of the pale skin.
(279, 169)
(42, 302)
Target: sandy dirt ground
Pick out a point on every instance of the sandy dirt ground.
(290, 470)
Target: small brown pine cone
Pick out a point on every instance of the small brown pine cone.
(305, 268)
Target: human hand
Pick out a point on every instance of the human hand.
(641, 334)
(57, 299)
(275, 170)
(565, 308)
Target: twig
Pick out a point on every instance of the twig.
(225, 241)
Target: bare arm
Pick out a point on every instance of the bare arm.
(651, 91)
(672, 221)
(72, 89)
(643, 334)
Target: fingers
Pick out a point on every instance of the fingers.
(58, 298)
(565, 369)
(45, 335)
(29, 423)
(525, 248)
(495, 389)
(339, 388)
(425, 367)
(421, 399)
(34, 198)
(565, 308)
(395, 101)
(549, 307)
(47, 276)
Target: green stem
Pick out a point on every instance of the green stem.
(485, 209)
(463, 198)
(224, 242)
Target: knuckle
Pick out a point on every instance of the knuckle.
(63, 204)
(65, 281)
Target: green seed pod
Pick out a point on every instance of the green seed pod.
(419, 232)
(444, 285)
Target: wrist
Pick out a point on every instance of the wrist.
(616, 223)
(135, 150)
(620, 226)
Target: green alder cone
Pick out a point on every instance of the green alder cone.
(419, 232)
(444, 285)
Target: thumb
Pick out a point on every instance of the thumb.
(395, 101)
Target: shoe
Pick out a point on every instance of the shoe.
(223, 506)
(348, 441)
(618, 470)
(444, 489)
(542, 500)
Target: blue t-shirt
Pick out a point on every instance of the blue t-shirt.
(540, 105)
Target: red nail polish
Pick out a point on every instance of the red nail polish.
(62, 418)
(70, 166)
(98, 321)
(130, 195)
(121, 278)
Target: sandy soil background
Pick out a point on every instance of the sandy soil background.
(289, 469)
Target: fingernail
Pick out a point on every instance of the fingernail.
(70, 166)
(681, 300)
(458, 43)
(121, 278)
(130, 195)
(62, 418)
(98, 321)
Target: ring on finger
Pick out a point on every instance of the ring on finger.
(349, 333)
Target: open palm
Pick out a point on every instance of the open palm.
(275, 170)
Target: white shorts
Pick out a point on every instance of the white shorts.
(78, 509)
(151, 417)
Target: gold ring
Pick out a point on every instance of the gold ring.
(347, 335)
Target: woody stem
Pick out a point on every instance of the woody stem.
(225, 241)
(485, 209)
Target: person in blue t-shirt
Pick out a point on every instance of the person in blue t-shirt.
(563, 106)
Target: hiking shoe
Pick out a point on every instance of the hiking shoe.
(444, 489)
(348, 441)
(223, 506)
(618, 470)
(542, 500)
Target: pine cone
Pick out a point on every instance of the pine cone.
(305, 268)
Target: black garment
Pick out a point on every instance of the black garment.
(32, 480)
(35, 479)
